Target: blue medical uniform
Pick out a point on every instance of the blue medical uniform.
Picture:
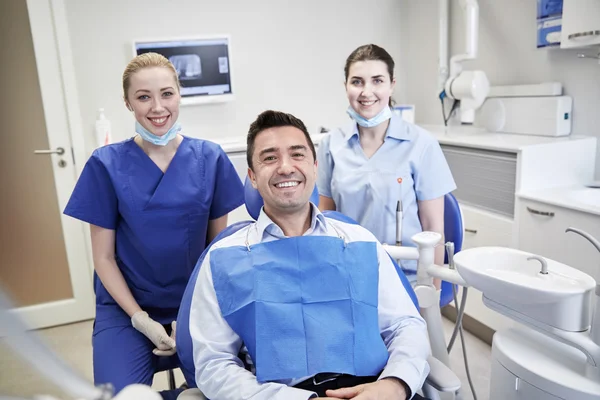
(368, 189)
(160, 222)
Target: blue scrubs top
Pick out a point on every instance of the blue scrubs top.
(368, 189)
(160, 219)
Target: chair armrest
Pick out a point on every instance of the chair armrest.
(441, 378)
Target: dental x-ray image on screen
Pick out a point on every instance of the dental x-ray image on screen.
(188, 66)
(203, 66)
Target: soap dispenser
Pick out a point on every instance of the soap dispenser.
(103, 131)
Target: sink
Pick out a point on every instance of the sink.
(513, 285)
(589, 196)
(506, 272)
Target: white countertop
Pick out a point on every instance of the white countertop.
(579, 198)
(467, 136)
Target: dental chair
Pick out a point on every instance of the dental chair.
(440, 379)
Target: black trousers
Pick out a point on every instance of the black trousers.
(320, 383)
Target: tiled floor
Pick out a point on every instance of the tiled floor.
(73, 344)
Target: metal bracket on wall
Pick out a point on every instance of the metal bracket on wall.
(596, 57)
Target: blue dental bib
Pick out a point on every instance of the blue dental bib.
(303, 305)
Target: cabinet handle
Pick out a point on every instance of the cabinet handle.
(544, 213)
(584, 34)
(473, 231)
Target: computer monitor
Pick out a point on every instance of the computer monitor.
(202, 63)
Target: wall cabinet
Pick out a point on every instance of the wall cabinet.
(580, 23)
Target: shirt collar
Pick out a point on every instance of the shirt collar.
(265, 225)
(398, 129)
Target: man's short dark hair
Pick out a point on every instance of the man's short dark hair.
(272, 119)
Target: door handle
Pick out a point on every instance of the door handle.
(59, 150)
(544, 213)
(585, 34)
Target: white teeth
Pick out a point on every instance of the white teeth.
(287, 184)
(159, 120)
(367, 103)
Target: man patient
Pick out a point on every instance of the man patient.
(316, 302)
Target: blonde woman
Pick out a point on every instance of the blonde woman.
(153, 203)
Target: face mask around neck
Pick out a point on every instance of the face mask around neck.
(158, 140)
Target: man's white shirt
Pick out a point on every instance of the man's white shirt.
(220, 374)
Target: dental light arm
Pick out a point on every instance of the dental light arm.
(471, 8)
(470, 87)
(49, 365)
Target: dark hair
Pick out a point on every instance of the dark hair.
(370, 52)
(271, 119)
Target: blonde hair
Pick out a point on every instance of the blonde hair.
(146, 60)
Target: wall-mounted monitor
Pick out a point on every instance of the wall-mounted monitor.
(202, 63)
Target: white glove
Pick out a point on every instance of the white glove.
(173, 350)
(152, 330)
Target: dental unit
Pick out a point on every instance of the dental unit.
(554, 351)
(552, 302)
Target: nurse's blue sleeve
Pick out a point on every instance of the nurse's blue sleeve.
(94, 199)
(228, 189)
(324, 167)
(433, 178)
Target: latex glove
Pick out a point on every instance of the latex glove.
(173, 350)
(152, 330)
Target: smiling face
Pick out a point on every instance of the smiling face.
(154, 98)
(369, 87)
(284, 170)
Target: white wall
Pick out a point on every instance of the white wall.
(286, 55)
(507, 54)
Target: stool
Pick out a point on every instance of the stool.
(168, 364)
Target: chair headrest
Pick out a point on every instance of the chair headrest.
(254, 200)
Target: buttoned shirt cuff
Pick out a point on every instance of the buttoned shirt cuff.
(407, 373)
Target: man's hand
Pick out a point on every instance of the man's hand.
(384, 389)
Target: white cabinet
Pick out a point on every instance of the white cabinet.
(483, 228)
(542, 231)
(490, 170)
(580, 23)
(238, 159)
